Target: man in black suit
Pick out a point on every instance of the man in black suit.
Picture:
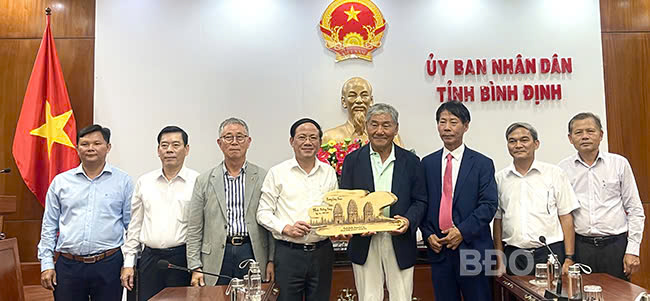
(383, 166)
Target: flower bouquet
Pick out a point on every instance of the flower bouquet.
(334, 153)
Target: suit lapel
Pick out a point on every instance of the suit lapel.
(366, 166)
(216, 179)
(398, 169)
(437, 175)
(250, 183)
(465, 166)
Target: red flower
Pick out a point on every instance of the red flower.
(323, 156)
(340, 155)
(339, 168)
(353, 147)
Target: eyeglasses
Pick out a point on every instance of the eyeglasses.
(303, 138)
(231, 138)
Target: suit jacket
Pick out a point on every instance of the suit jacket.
(407, 185)
(474, 202)
(206, 232)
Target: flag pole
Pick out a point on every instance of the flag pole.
(48, 11)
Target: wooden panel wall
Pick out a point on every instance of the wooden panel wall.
(626, 57)
(22, 23)
(626, 42)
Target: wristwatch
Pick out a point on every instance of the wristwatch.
(570, 256)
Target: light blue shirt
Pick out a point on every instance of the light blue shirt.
(90, 215)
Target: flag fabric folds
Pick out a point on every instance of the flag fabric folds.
(46, 133)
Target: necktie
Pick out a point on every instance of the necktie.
(444, 217)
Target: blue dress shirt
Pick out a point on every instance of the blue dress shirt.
(90, 215)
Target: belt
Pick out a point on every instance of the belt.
(93, 258)
(238, 240)
(599, 241)
(533, 250)
(172, 250)
(308, 247)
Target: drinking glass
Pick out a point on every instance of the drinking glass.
(541, 273)
(593, 293)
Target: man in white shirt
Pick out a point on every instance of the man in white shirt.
(535, 199)
(159, 218)
(222, 228)
(609, 222)
(303, 259)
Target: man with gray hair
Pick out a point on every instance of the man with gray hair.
(223, 230)
(609, 223)
(384, 166)
(535, 199)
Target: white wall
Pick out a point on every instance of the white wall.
(195, 63)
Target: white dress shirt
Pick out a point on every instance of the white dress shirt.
(457, 155)
(287, 194)
(530, 205)
(608, 196)
(159, 210)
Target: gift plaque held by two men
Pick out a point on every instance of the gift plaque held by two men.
(353, 212)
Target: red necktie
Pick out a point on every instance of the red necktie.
(445, 200)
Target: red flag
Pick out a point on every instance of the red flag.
(46, 134)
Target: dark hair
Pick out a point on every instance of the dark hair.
(583, 116)
(106, 133)
(456, 108)
(296, 124)
(173, 129)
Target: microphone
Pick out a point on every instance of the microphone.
(164, 265)
(6, 170)
(558, 289)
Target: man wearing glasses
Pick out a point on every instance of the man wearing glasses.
(222, 230)
(303, 259)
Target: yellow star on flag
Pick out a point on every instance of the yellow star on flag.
(352, 14)
(52, 129)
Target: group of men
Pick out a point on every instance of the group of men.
(237, 211)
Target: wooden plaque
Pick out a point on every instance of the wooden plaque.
(353, 212)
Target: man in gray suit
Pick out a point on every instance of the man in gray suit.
(222, 227)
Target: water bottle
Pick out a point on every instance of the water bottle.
(253, 280)
(553, 272)
(236, 290)
(575, 283)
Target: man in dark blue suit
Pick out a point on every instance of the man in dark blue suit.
(384, 166)
(462, 197)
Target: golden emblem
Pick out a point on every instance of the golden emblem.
(352, 28)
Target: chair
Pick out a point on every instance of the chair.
(11, 277)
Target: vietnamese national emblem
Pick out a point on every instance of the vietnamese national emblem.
(352, 28)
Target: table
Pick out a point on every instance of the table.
(519, 288)
(208, 293)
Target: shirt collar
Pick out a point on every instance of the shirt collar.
(294, 164)
(534, 166)
(578, 160)
(225, 170)
(182, 174)
(391, 156)
(457, 153)
(107, 168)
